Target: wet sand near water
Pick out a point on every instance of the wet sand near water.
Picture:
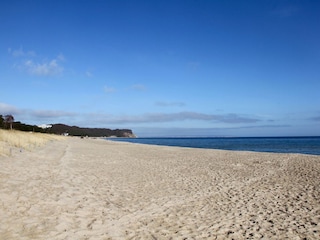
(97, 189)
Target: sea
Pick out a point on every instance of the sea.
(303, 145)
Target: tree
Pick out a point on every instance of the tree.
(9, 119)
(1, 121)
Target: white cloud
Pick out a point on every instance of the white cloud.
(48, 68)
(31, 65)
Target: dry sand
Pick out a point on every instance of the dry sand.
(97, 189)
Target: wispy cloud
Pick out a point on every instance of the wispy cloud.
(51, 114)
(47, 68)
(317, 119)
(8, 109)
(29, 62)
(173, 117)
(169, 104)
(61, 57)
(108, 89)
(103, 119)
(89, 74)
(21, 53)
(138, 87)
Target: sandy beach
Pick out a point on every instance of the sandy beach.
(97, 189)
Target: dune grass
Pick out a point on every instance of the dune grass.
(10, 139)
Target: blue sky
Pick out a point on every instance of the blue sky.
(163, 68)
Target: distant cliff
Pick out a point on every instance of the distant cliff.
(90, 132)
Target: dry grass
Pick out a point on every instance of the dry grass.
(26, 140)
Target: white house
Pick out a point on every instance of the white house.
(45, 126)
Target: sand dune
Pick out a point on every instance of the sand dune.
(11, 140)
(97, 189)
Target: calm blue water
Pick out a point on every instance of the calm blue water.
(305, 145)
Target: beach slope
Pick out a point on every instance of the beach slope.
(98, 189)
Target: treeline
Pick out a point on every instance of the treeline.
(90, 132)
(7, 122)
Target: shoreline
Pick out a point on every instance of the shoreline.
(263, 145)
(100, 189)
